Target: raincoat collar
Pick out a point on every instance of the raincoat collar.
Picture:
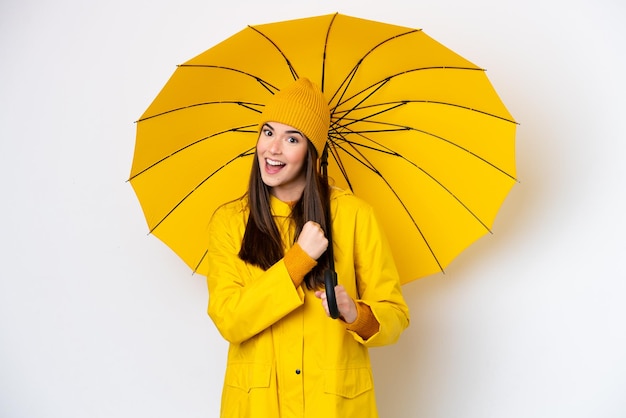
(283, 209)
(279, 208)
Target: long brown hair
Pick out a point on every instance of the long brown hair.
(262, 244)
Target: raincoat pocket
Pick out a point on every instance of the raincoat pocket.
(248, 376)
(348, 383)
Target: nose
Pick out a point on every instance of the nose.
(275, 145)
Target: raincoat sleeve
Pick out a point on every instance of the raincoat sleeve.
(243, 299)
(377, 280)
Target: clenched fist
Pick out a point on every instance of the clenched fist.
(312, 240)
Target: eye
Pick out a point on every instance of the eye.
(292, 140)
(268, 132)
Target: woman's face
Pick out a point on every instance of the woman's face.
(282, 152)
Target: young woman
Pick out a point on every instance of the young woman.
(267, 255)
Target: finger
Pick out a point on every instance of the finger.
(345, 304)
(325, 306)
(321, 294)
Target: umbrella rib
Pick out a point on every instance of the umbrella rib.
(397, 128)
(330, 25)
(387, 79)
(391, 152)
(267, 85)
(405, 102)
(195, 270)
(340, 164)
(246, 153)
(350, 76)
(247, 105)
(352, 121)
(355, 107)
(370, 167)
(294, 74)
(242, 129)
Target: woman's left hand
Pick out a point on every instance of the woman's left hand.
(345, 303)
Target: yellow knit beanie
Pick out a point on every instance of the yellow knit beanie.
(301, 105)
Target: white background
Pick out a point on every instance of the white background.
(98, 319)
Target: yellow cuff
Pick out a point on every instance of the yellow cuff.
(298, 264)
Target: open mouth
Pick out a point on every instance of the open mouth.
(273, 166)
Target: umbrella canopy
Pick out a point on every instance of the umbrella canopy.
(416, 130)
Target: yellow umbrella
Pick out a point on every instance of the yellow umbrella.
(417, 131)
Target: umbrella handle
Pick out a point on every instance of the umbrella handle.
(330, 275)
(330, 279)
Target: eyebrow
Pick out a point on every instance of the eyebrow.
(294, 131)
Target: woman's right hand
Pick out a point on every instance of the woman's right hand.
(312, 240)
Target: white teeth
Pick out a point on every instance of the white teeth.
(274, 163)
